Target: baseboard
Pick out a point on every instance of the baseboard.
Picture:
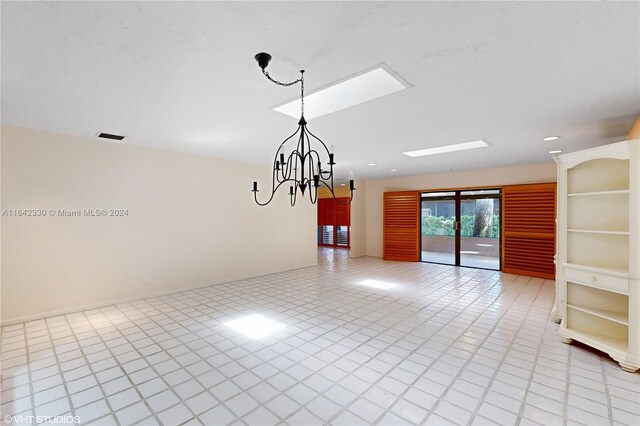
(49, 314)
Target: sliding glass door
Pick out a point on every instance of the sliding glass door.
(461, 228)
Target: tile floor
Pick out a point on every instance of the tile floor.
(428, 344)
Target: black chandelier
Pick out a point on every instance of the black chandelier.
(302, 168)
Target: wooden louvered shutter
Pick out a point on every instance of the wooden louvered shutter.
(401, 229)
(323, 206)
(529, 230)
(342, 212)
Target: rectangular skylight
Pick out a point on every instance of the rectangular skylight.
(447, 148)
(364, 86)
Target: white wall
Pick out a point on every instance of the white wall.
(358, 216)
(467, 179)
(192, 222)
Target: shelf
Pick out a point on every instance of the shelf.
(619, 317)
(617, 272)
(593, 231)
(583, 194)
(592, 339)
(597, 249)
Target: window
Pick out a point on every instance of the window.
(326, 235)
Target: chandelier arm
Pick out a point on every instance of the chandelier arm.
(284, 175)
(319, 140)
(310, 179)
(314, 162)
(331, 163)
(286, 171)
(323, 175)
(273, 193)
(287, 140)
(295, 171)
(294, 196)
(333, 194)
(275, 176)
(295, 155)
(292, 163)
(330, 175)
(313, 194)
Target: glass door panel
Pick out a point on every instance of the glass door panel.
(480, 229)
(439, 227)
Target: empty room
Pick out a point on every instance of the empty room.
(320, 213)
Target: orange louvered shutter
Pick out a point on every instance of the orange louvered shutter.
(529, 230)
(401, 229)
(343, 211)
(323, 205)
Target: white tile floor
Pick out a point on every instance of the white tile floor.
(444, 346)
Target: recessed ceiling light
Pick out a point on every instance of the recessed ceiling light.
(361, 87)
(343, 184)
(448, 148)
(550, 138)
(393, 170)
(556, 151)
(255, 326)
(383, 285)
(371, 164)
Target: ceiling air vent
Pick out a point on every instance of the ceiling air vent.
(110, 136)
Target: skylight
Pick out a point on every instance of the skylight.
(448, 148)
(364, 86)
(255, 326)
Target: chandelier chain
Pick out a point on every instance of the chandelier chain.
(291, 83)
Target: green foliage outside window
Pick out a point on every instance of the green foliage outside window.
(440, 225)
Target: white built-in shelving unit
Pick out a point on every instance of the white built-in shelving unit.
(598, 250)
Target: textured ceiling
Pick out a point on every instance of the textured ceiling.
(181, 76)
